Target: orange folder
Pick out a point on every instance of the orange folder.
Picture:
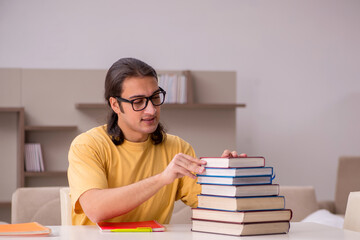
(19, 229)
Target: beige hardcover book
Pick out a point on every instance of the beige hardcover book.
(242, 216)
(238, 229)
(241, 203)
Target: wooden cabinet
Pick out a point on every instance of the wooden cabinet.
(11, 157)
(12, 153)
(54, 141)
(60, 104)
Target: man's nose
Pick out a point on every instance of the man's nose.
(150, 108)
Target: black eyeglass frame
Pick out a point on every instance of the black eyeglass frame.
(120, 99)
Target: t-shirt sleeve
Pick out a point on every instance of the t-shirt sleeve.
(86, 169)
(188, 188)
(188, 191)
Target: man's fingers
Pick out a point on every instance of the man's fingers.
(228, 153)
(234, 154)
(180, 170)
(189, 163)
(192, 159)
(191, 166)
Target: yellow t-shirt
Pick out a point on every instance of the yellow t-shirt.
(96, 162)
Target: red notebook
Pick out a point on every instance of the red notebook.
(108, 226)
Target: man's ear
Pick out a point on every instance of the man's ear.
(114, 104)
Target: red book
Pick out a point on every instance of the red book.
(109, 226)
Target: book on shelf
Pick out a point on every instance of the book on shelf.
(130, 226)
(34, 161)
(241, 203)
(240, 229)
(176, 87)
(240, 190)
(24, 229)
(226, 180)
(237, 172)
(234, 162)
(242, 216)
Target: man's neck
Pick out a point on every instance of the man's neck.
(136, 137)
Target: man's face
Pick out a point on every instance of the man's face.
(137, 125)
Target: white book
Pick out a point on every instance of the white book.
(183, 89)
(37, 162)
(241, 191)
(161, 81)
(167, 87)
(236, 162)
(30, 157)
(173, 87)
(27, 157)
(33, 158)
(40, 157)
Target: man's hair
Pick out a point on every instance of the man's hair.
(123, 69)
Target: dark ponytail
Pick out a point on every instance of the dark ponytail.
(114, 130)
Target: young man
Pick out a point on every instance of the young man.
(130, 169)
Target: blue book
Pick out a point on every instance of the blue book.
(225, 180)
(238, 172)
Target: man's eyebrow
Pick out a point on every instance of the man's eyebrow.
(141, 96)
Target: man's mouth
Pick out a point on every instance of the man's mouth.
(149, 120)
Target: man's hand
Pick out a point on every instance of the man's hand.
(228, 153)
(96, 202)
(182, 165)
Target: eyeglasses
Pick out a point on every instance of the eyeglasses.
(141, 103)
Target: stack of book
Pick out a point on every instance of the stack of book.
(238, 198)
(33, 158)
(176, 86)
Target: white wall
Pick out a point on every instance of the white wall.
(297, 64)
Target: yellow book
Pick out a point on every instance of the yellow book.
(31, 228)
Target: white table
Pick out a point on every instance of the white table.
(303, 231)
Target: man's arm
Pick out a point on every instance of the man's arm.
(102, 204)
